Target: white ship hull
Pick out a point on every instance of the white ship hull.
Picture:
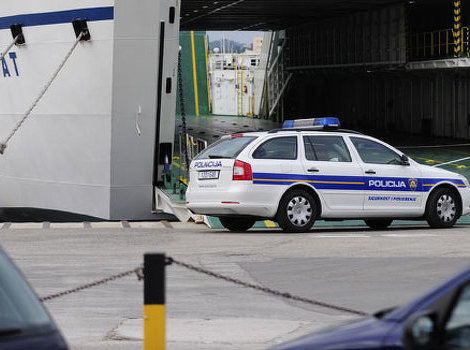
(89, 145)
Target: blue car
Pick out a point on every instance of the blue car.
(24, 322)
(440, 319)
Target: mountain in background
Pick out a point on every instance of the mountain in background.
(230, 46)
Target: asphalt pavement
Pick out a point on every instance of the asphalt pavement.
(352, 267)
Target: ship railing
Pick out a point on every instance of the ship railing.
(438, 44)
(194, 145)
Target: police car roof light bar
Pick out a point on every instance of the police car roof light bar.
(314, 123)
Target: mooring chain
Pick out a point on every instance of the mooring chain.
(183, 112)
(137, 271)
(265, 289)
(4, 144)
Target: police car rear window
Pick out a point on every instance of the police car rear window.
(226, 148)
(278, 148)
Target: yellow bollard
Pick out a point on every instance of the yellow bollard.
(154, 301)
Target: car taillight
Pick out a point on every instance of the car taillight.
(242, 171)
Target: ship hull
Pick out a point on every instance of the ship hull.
(89, 145)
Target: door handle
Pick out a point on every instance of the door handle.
(313, 170)
(370, 172)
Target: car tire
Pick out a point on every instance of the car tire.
(237, 224)
(443, 208)
(297, 211)
(378, 224)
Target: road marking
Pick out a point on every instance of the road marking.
(432, 161)
(100, 225)
(106, 224)
(146, 224)
(66, 225)
(409, 235)
(26, 225)
(270, 223)
(339, 236)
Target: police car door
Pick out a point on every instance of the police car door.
(390, 185)
(275, 162)
(331, 170)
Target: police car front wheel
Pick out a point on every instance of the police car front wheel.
(297, 211)
(442, 208)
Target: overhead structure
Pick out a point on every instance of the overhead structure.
(377, 63)
(262, 15)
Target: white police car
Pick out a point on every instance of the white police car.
(311, 170)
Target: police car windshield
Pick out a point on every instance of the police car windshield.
(226, 148)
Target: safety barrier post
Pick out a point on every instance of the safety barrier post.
(196, 93)
(154, 301)
(457, 29)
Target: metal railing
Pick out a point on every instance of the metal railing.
(437, 44)
(194, 145)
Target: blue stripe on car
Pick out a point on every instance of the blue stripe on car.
(330, 182)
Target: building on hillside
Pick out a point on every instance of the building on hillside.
(232, 84)
(257, 44)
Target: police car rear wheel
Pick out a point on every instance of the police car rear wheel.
(378, 224)
(442, 208)
(237, 224)
(297, 211)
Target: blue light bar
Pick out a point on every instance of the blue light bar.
(315, 123)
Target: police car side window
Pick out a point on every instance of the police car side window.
(374, 152)
(277, 148)
(326, 148)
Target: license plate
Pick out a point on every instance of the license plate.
(208, 175)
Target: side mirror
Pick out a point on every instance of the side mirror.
(420, 332)
(404, 160)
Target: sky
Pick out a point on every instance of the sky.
(245, 37)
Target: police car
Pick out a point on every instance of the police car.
(311, 170)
